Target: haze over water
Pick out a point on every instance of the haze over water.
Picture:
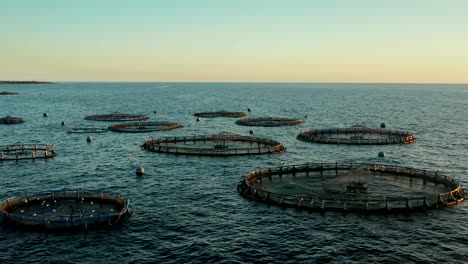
(187, 207)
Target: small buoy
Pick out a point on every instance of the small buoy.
(89, 138)
(251, 131)
(198, 119)
(64, 123)
(155, 112)
(249, 110)
(381, 154)
(140, 171)
(45, 114)
(382, 125)
(305, 116)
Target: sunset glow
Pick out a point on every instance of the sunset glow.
(235, 41)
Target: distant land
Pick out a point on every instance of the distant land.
(23, 82)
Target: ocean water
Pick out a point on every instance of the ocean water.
(187, 207)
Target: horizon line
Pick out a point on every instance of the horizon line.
(282, 82)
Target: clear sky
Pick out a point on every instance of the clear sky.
(235, 40)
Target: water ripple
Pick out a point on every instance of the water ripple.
(187, 208)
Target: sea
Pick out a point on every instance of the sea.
(187, 208)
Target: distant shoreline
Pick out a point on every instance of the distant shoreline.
(23, 82)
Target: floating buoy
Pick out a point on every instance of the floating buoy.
(381, 154)
(89, 138)
(45, 114)
(382, 125)
(251, 131)
(64, 123)
(249, 110)
(305, 116)
(155, 112)
(198, 119)
(140, 171)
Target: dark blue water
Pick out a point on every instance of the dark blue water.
(188, 209)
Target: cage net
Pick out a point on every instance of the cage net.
(8, 93)
(142, 127)
(118, 117)
(351, 187)
(86, 130)
(219, 114)
(21, 151)
(65, 209)
(269, 121)
(358, 135)
(8, 120)
(223, 144)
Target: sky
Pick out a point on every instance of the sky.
(339, 41)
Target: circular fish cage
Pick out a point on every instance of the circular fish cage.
(65, 210)
(223, 144)
(87, 130)
(9, 120)
(357, 135)
(143, 127)
(351, 187)
(269, 121)
(21, 151)
(8, 93)
(219, 114)
(117, 117)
